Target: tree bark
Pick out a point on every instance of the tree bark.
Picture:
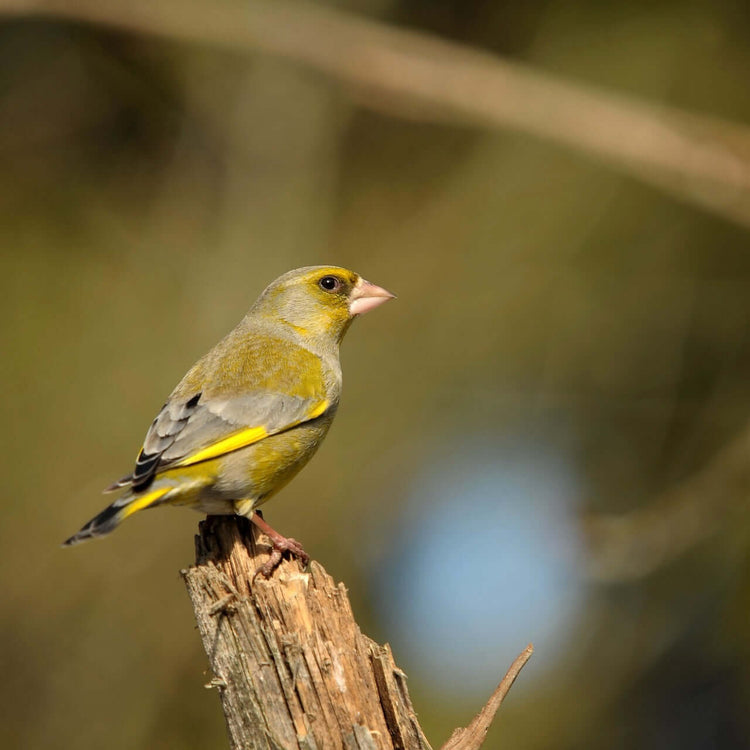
(291, 665)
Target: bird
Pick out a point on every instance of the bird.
(249, 414)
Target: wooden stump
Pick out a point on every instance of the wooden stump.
(291, 665)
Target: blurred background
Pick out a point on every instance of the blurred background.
(545, 438)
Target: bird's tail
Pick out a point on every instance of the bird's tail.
(115, 514)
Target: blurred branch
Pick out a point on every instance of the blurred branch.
(291, 665)
(636, 544)
(696, 158)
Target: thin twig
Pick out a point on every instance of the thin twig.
(473, 736)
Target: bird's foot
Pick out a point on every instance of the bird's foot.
(281, 544)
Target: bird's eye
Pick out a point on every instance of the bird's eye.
(330, 284)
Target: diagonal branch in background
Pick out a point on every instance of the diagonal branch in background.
(697, 158)
(291, 665)
(636, 544)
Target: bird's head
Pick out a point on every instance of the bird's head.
(320, 301)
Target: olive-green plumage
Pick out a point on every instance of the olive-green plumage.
(252, 411)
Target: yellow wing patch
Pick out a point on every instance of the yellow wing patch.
(242, 439)
(318, 410)
(239, 439)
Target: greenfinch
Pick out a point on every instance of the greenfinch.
(250, 414)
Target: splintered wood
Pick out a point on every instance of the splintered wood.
(291, 666)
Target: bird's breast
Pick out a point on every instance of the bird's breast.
(262, 469)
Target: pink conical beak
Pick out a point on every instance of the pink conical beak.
(366, 296)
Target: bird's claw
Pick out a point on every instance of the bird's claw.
(280, 546)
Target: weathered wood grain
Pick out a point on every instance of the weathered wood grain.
(290, 663)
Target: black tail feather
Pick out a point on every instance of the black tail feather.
(120, 483)
(99, 525)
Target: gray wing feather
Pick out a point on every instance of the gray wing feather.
(182, 428)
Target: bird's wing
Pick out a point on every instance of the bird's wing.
(184, 435)
(195, 426)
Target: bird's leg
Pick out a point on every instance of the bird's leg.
(280, 544)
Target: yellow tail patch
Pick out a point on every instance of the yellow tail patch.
(144, 501)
